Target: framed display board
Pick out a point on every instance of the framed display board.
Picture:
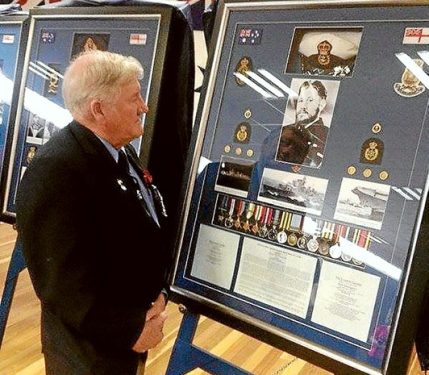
(56, 35)
(308, 180)
(13, 38)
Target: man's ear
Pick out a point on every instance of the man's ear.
(322, 105)
(96, 109)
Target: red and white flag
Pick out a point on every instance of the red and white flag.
(138, 39)
(8, 39)
(416, 35)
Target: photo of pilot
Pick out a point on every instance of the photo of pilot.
(325, 51)
(89, 42)
(307, 121)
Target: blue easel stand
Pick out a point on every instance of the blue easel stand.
(16, 265)
(187, 357)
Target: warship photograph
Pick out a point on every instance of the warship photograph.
(362, 203)
(299, 192)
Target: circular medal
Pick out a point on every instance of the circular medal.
(376, 128)
(238, 151)
(351, 170)
(263, 232)
(281, 237)
(383, 175)
(367, 172)
(357, 262)
(272, 234)
(345, 257)
(227, 149)
(247, 113)
(229, 222)
(249, 153)
(302, 242)
(312, 245)
(292, 239)
(335, 251)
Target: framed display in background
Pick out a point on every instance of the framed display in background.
(308, 180)
(56, 35)
(13, 39)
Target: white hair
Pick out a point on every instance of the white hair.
(97, 75)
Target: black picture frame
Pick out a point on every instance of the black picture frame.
(214, 246)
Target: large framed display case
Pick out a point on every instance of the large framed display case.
(56, 35)
(308, 180)
(13, 39)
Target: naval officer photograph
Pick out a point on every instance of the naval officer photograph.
(311, 126)
(91, 224)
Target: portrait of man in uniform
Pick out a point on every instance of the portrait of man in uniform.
(324, 51)
(307, 121)
(36, 128)
(89, 42)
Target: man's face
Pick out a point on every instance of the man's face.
(124, 114)
(308, 106)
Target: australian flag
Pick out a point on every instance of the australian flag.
(48, 37)
(249, 36)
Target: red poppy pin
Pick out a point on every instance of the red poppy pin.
(147, 177)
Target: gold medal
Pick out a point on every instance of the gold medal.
(384, 175)
(351, 170)
(292, 239)
(323, 247)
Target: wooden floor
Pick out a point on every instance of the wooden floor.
(20, 352)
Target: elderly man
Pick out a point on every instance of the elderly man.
(92, 226)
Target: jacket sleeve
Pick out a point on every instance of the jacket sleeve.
(54, 220)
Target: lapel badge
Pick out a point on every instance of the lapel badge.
(121, 184)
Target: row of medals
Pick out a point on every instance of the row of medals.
(242, 218)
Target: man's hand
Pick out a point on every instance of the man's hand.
(152, 331)
(157, 307)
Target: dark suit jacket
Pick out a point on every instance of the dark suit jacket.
(96, 259)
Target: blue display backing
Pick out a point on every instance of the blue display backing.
(364, 99)
(52, 43)
(11, 32)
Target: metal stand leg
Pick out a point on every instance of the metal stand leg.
(186, 356)
(16, 265)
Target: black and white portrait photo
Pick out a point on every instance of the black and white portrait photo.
(36, 129)
(306, 122)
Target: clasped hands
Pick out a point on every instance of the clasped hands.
(152, 331)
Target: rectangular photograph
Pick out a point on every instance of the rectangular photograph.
(324, 51)
(306, 123)
(291, 190)
(234, 176)
(362, 203)
(83, 42)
